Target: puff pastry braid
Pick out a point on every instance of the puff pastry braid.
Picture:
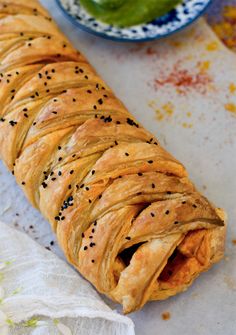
(124, 211)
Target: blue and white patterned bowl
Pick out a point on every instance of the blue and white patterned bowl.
(178, 18)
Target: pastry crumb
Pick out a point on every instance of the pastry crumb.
(165, 316)
(234, 241)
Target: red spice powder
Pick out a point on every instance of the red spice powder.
(184, 80)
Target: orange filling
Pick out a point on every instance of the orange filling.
(188, 259)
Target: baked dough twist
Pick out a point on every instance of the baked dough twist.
(124, 211)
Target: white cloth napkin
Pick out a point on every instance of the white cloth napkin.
(41, 295)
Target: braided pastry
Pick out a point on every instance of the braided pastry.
(124, 211)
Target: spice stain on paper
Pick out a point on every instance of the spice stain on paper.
(234, 242)
(166, 316)
(231, 107)
(185, 80)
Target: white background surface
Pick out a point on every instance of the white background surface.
(208, 150)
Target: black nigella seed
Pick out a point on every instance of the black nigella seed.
(52, 243)
(12, 123)
(29, 44)
(105, 95)
(37, 94)
(140, 174)
(97, 86)
(155, 143)
(59, 173)
(40, 75)
(93, 171)
(13, 91)
(21, 34)
(167, 212)
(2, 119)
(53, 71)
(183, 202)
(126, 154)
(150, 161)
(89, 91)
(86, 77)
(57, 218)
(176, 222)
(116, 143)
(54, 112)
(69, 187)
(168, 192)
(64, 45)
(93, 230)
(131, 122)
(87, 188)
(85, 248)
(194, 206)
(95, 223)
(47, 91)
(90, 237)
(128, 238)
(59, 159)
(96, 116)
(152, 214)
(48, 77)
(100, 101)
(44, 185)
(23, 183)
(90, 201)
(82, 235)
(71, 171)
(26, 115)
(34, 123)
(62, 218)
(73, 155)
(94, 107)
(59, 147)
(117, 122)
(53, 179)
(153, 185)
(100, 196)
(82, 185)
(46, 72)
(74, 100)
(92, 260)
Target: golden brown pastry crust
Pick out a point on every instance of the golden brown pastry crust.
(125, 213)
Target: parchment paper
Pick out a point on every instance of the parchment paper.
(183, 89)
